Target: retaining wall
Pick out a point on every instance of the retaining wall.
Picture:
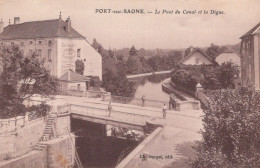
(22, 140)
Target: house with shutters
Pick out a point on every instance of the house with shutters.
(56, 42)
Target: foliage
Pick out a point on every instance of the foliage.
(114, 74)
(21, 77)
(118, 84)
(133, 51)
(189, 50)
(213, 51)
(134, 65)
(227, 75)
(41, 109)
(79, 67)
(231, 135)
(210, 77)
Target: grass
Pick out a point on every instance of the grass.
(188, 153)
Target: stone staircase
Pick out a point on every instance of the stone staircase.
(46, 133)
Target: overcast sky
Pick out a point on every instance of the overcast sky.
(148, 30)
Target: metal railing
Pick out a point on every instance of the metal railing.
(115, 115)
(139, 101)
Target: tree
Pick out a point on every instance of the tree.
(133, 65)
(227, 75)
(133, 51)
(189, 50)
(213, 51)
(231, 134)
(79, 67)
(21, 77)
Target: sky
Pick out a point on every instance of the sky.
(149, 30)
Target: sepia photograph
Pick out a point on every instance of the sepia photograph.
(129, 84)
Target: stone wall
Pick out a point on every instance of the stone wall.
(62, 124)
(61, 151)
(34, 159)
(21, 141)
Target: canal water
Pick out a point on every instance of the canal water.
(151, 87)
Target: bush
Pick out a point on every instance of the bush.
(231, 135)
(209, 76)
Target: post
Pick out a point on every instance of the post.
(198, 89)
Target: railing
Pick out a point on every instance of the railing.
(115, 115)
(139, 102)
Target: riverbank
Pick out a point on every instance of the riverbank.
(147, 74)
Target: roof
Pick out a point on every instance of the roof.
(38, 29)
(70, 76)
(228, 50)
(228, 56)
(194, 51)
(251, 32)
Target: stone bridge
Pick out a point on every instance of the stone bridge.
(100, 115)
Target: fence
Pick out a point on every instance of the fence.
(139, 102)
(103, 113)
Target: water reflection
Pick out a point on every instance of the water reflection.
(150, 87)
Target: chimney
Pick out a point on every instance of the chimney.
(191, 48)
(68, 25)
(1, 26)
(16, 20)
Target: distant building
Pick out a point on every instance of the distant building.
(55, 41)
(197, 57)
(228, 56)
(250, 53)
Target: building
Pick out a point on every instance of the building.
(228, 56)
(197, 57)
(56, 42)
(250, 53)
(71, 81)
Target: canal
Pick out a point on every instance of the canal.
(150, 87)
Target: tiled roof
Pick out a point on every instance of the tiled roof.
(70, 76)
(250, 32)
(38, 29)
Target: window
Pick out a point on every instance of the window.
(249, 73)
(30, 42)
(30, 52)
(39, 42)
(78, 53)
(49, 54)
(49, 43)
(84, 60)
(12, 43)
(39, 52)
(197, 60)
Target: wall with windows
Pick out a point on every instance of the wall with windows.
(60, 54)
(45, 47)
